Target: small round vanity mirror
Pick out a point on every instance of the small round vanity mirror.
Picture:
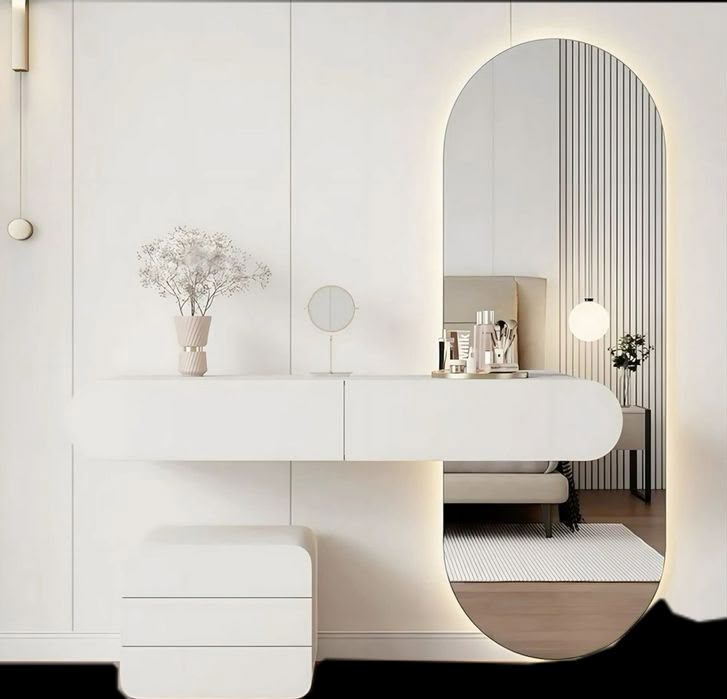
(331, 309)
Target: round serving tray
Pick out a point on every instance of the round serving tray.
(489, 375)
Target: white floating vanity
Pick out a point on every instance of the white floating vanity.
(223, 612)
(356, 418)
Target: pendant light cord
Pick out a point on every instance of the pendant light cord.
(20, 145)
(589, 190)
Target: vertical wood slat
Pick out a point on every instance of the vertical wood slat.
(612, 174)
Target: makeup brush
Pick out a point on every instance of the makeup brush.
(501, 329)
(511, 331)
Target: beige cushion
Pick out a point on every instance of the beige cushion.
(505, 488)
(495, 466)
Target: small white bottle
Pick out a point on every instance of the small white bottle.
(484, 331)
(471, 362)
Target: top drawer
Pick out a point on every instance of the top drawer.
(210, 419)
(542, 418)
(223, 562)
(278, 572)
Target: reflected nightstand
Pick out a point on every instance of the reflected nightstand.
(636, 436)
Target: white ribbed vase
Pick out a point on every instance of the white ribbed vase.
(192, 334)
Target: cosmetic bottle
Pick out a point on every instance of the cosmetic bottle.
(441, 357)
(445, 351)
(463, 342)
(484, 331)
(471, 362)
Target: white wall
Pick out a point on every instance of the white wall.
(36, 485)
(372, 86)
(198, 135)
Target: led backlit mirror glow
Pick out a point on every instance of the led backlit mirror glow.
(554, 216)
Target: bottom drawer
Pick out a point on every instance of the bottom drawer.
(216, 672)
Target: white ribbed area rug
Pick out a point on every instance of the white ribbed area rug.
(521, 553)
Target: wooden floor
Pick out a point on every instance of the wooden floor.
(565, 620)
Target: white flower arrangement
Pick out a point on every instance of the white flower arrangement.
(195, 267)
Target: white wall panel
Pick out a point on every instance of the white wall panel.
(380, 559)
(119, 503)
(181, 117)
(373, 85)
(35, 350)
(677, 50)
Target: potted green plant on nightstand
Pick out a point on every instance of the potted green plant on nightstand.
(630, 352)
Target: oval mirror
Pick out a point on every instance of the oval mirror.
(554, 195)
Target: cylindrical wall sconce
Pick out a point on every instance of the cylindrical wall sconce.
(19, 228)
(19, 23)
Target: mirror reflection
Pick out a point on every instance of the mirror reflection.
(554, 200)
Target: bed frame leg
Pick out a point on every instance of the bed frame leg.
(548, 520)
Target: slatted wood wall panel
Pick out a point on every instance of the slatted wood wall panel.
(612, 170)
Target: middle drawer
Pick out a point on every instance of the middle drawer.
(217, 622)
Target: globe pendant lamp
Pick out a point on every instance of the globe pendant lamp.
(589, 320)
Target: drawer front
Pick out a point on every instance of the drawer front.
(215, 673)
(540, 419)
(234, 419)
(219, 571)
(217, 622)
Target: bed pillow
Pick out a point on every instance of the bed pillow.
(552, 465)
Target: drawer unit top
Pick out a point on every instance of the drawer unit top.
(223, 562)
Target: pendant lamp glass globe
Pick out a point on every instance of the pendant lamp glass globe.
(588, 321)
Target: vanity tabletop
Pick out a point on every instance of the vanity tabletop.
(533, 374)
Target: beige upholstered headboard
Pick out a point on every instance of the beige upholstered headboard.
(520, 298)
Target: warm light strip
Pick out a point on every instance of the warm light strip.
(19, 23)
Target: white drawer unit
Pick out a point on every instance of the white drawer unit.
(224, 612)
